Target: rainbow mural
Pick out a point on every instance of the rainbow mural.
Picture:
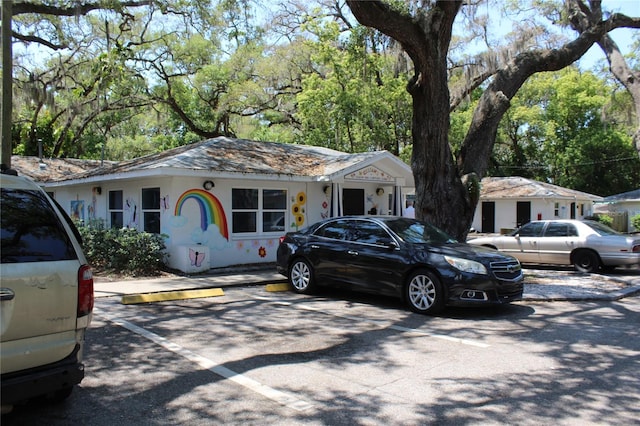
(211, 210)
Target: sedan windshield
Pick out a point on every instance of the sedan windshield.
(413, 231)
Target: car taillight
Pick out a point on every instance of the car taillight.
(636, 249)
(85, 290)
(282, 239)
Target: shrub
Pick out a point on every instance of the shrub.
(602, 218)
(122, 250)
(635, 221)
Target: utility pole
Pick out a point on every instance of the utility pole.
(7, 85)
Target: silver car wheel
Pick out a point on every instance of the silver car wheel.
(301, 276)
(422, 292)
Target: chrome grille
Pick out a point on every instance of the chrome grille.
(509, 270)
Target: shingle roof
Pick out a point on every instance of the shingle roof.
(239, 156)
(519, 187)
(51, 169)
(625, 196)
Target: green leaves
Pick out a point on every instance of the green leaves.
(557, 130)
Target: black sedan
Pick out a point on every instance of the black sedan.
(399, 257)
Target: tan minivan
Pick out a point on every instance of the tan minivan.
(46, 295)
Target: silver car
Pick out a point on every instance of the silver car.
(587, 245)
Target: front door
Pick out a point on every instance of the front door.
(353, 201)
(488, 216)
(523, 213)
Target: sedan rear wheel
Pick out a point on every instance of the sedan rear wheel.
(586, 261)
(301, 277)
(424, 293)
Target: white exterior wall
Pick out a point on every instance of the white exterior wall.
(307, 203)
(506, 211)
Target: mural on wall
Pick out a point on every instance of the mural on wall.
(94, 201)
(164, 203)
(259, 247)
(130, 213)
(77, 210)
(298, 209)
(196, 258)
(324, 211)
(212, 229)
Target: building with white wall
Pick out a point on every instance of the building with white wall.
(506, 203)
(223, 201)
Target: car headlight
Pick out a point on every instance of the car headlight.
(466, 265)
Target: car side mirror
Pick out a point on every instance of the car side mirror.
(391, 244)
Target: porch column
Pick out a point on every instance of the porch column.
(336, 200)
(397, 201)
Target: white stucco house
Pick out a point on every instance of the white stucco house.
(506, 203)
(626, 204)
(224, 201)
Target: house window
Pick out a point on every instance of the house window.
(256, 210)
(274, 208)
(556, 209)
(151, 210)
(116, 213)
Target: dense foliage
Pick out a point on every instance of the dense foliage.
(119, 80)
(124, 251)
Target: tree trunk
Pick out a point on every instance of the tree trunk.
(447, 192)
(441, 196)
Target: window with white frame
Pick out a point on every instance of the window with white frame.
(151, 210)
(116, 212)
(556, 209)
(258, 210)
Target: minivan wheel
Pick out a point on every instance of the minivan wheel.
(586, 261)
(424, 293)
(301, 277)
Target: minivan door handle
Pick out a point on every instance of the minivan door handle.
(6, 294)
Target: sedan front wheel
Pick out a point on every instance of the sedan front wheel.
(424, 293)
(301, 277)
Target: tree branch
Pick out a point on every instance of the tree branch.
(20, 8)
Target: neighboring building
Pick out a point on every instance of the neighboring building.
(623, 207)
(506, 203)
(223, 201)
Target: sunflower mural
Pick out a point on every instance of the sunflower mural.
(298, 209)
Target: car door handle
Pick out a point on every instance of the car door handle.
(313, 246)
(6, 294)
(352, 252)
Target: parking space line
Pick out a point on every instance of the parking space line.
(381, 324)
(280, 397)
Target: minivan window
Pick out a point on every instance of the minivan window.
(31, 230)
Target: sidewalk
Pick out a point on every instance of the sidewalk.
(540, 284)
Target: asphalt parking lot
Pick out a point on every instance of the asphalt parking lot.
(254, 357)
